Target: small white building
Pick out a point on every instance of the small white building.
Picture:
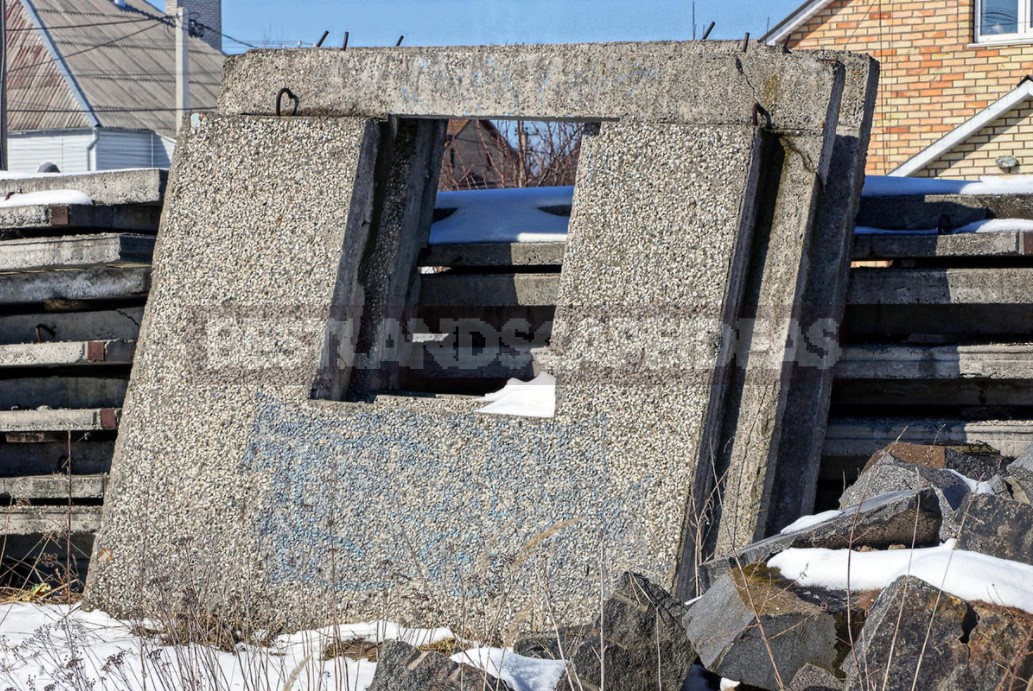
(91, 83)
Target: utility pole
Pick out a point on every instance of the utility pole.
(182, 67)
(3, 85)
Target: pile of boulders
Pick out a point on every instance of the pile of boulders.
(755, 626)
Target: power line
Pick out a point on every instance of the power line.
(86, 50)
(86, 26)
(235, 40)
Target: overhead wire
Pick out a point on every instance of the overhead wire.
(147, 18)
(97, 46)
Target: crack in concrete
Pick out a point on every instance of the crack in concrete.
(127, 316)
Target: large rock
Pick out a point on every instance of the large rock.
(1020, 477)
(1020, 488)
(645, 643)
(402, 667)
(918, 637)
(996, 526)
(897, 518)
(977, 461)
(887, 474)
(811, 678)
(752, 627)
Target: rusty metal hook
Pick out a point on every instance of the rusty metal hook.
(758, 111)
(279, 100)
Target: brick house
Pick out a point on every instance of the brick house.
(955, 98)
(477, 156)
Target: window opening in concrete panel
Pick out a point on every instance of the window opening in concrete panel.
(489, 275)
(476, 307)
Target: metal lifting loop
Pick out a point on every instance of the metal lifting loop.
(289, 94)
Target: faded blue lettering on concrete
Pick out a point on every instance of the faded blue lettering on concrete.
(463, 495)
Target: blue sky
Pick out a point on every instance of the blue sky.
(444, 22)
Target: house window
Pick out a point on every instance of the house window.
(1003, 20)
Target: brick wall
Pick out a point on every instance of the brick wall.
(1009, 135)
(933, 77)
(207, 12)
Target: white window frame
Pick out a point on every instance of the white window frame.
(1025, 21)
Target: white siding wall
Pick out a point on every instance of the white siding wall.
(70, 150)
(130, 149)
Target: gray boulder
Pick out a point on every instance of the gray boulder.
(996, 526)
(890, 475)
(811, 678)
(977, 461)
(1020, 477)
(644, 645)
(897, 518)
(918, 637)
(1019, 488)
(401, 667)
(752, 627)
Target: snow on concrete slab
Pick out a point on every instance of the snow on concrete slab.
(892, 186)
(805, 522)
(968, 575)
(503, 215)
(536, 398)
(991, 225)
(47, 198)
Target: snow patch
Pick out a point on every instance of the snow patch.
(505, 215)
(968, 575)
(67, 647)
(46, 197)
(992, 225)
(536, 398)
(974, 486)
(521, 673)
(805, 522)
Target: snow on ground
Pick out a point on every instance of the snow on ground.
(536, 398)
(46, 197)
(505, 215)
(74, 649)
(521, 673)
(968, 575)
(888, 186)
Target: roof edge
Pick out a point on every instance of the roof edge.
(801, 14)
(1023, 92)
(59, 63)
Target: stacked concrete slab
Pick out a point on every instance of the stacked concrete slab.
(938, 344)
(73, 280)
(241, 483)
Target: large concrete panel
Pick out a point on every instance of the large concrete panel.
(790, 481)
(139, 186)
(234, 482)
(702, 83)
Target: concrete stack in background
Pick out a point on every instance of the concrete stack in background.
(73, 281)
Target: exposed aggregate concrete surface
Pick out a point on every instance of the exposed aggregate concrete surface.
(233, 489)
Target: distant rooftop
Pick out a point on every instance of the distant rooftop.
(89, 63)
